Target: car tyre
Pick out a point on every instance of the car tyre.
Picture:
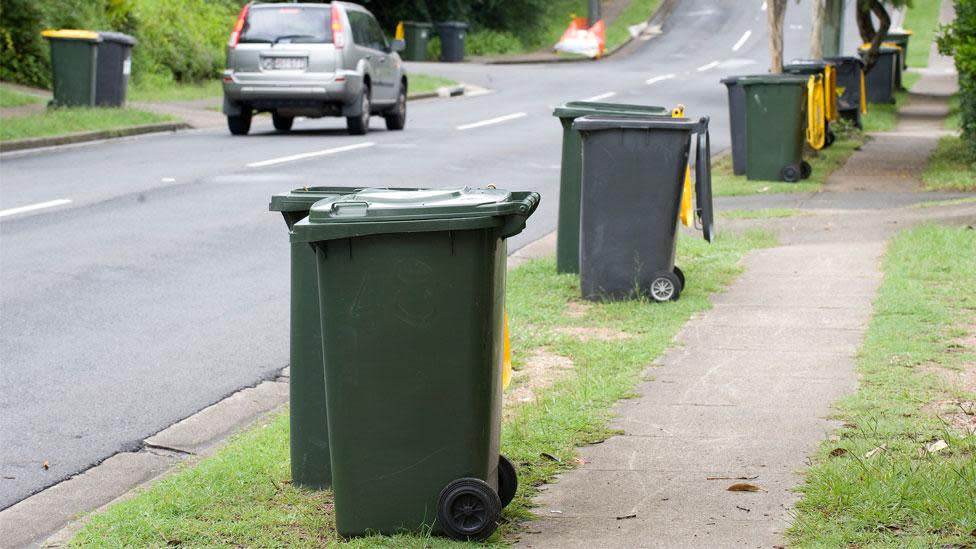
(282, 123)
(396, 118)
(239, 125)
(359, 125)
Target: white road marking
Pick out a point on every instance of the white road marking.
(601, 97)
(33, 207)
(492, 121)
(312, 154)
(168, 179)
(656, 79)
(742, 41)
(707, 66)
(796, 27)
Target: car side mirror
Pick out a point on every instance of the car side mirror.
(398, 45)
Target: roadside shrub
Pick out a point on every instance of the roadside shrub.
(959, 40)
(23, 54)
(492, 42)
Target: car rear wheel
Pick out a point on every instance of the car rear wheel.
(396, 118)
(359, 125)
(282, 123)
(240, 124)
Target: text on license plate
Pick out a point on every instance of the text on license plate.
(285, 63)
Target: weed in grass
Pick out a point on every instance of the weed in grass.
(241, 495)
(70, 120)
(905, 495)
(951, 167)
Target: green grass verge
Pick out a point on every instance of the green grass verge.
(766, 213)
(826, 161)
(426, 83)
(954, 118)
(242, 495)
(883, 117)
(951, 167)
(903, 495)
(12, 98)
(949, 202)
(72, 120)
(168, 90)
(922, 18)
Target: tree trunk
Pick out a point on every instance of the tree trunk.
(865, 26)
(816, 33)
(776, 14)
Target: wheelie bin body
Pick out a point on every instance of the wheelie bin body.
(880, 80)
(570, 175)
(776, 111)
(633, 179)
(411, 297)
(851, 98)
(416, 36)
(74, 64)
(453, 35)
(114, 68)
(828, 73)
(900, 37)
(309, 430)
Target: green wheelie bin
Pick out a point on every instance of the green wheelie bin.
(570, 175)
(310, 462)
(411, 296)
(74, 63)
(776, 112)
(416, 35)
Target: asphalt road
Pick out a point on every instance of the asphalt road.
(162, 286)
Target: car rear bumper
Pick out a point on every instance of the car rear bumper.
(258, 89)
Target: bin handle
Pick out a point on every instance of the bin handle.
(350, 208)
(704, 216)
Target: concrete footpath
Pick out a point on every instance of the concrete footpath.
(743, 395)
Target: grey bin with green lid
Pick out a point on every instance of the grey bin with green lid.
(309, 430)
(411, 290)
(570, 174)
(633, 181)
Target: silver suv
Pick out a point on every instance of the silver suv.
(312, 60)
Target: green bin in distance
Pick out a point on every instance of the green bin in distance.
(416, 35)
(412, 291)
(309, 438)
(776, 112)
(74, 62)
(570, 175)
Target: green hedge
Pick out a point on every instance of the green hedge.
(959, 40)
(180, 40)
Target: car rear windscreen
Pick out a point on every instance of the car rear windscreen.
(288, 24)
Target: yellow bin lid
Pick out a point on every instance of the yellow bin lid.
(72, 34)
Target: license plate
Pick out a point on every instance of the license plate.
(285, 63)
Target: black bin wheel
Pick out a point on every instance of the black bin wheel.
(806, 170)
(468, 509)
(831, 137)
(507, 480)
(791, 174)
(666, 286)
(681, 276)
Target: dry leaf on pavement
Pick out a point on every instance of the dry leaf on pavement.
(744, 487)
(46, 465)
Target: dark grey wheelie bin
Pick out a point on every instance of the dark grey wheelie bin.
(737, 123)
(850, 84)
(411, 297)
(633, 180)
(114, 69)
(570, 173)
(310, 463)
(881, 79)
(452, 35)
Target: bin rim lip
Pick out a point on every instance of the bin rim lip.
(845, 59)
(455, 24)
(735, 79)
(885, 47)
(576, 109)
(438, 204)
(117, 37)
(776, 79)
(72, 34)
(904, 32)
(417, 23)
(302, 198)
(807, 63)
(609, 122)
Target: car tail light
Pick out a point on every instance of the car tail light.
(338, 36)
(235, 34)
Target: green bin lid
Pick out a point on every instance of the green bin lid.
(419, 24)
(576, 109)
(775, 79)
(601, 123)
(385, 211)
(817, 65)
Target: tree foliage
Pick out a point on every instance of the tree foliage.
(959, 40)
